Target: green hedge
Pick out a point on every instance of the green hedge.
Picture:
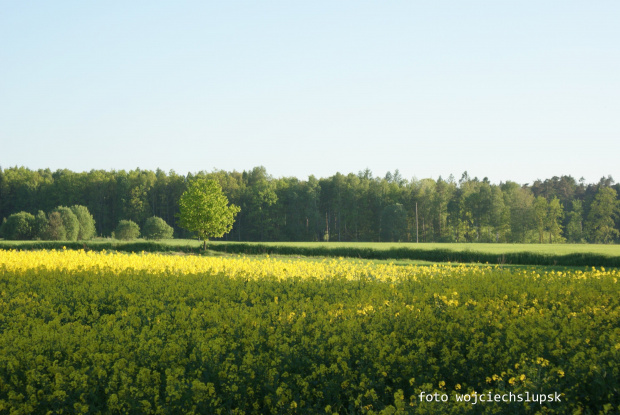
(146, 246)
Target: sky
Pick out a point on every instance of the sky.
(509, 90)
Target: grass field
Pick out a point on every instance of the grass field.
(498, 249)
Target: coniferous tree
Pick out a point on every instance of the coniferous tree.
(55, 229)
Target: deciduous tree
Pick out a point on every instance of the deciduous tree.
(86, 221)
(204, 210)
(70, 222)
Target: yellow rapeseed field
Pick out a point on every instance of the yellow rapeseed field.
(251, 268)
(108, 332)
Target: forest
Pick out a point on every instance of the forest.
(352, 207)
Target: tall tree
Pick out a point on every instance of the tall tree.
(574, 227)
(522, 221)
(86, 221)
(393, 223)
(541, 208)
(600, 223)
(70, 222)
(555, 214)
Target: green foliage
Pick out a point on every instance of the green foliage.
(19, 226)
(574, 228)
(86, 221)
(127, 230)
(345, 207)
(156, 228)
(40, 225)
(393, 223)
(70, 223)
(603, 211)
(555, 214)
(204, 210)
(55, 229)
(541, 206)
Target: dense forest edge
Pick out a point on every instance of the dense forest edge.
(346, 208)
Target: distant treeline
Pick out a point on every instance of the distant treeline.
(353, 207)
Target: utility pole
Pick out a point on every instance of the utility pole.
(417, 239)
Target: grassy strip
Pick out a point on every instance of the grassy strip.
(577, 259)
(434, 255)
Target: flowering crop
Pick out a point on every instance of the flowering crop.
(106, 332)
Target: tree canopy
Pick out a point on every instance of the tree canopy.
(204, 210)
(347, 207)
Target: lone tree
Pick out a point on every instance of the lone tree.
(204, 209)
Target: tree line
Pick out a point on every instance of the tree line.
(352, 207)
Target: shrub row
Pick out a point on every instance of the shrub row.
(111, 245)
(63, 223)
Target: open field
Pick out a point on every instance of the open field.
(551, 249)
(86, 332)
(498, 249)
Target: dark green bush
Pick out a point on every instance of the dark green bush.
(157, 228)
(127, 230)
(19, 226)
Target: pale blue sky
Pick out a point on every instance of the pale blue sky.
(511, 90)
